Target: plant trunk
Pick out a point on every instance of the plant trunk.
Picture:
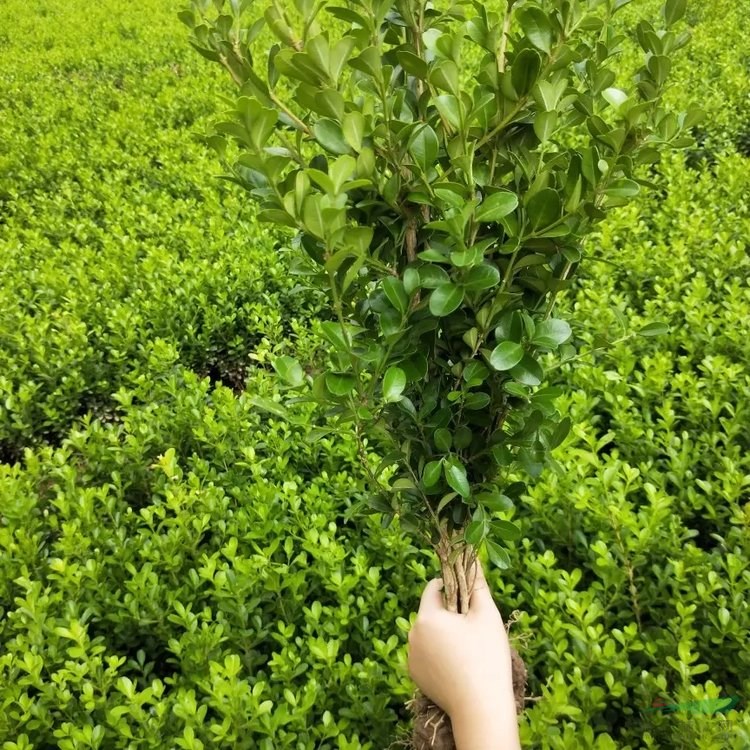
(432, 726)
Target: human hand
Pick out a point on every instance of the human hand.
(462, 662)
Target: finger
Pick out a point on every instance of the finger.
(432, 597)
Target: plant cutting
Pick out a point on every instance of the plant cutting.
(438, 167)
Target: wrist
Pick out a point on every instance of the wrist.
(486, 725)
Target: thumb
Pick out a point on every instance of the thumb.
(432, 597)
(481, 597)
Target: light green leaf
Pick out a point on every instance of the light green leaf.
(615, 97)
(496, 206)
(550, 333)
(654, 329)
(455, 474)
(424, 147)
(353, 129)
(394, 383)
(449, 108)
(290, 370)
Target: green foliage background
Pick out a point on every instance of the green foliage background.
(179, 570)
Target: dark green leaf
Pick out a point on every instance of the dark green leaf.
(543, 208)
(525, 71)
(537, 28)
(673, 11)
(481, 277)
(446, 299)
(475, 532)
(560, 433)
(506, 530)
(494, 502)
(328, 133)
(506, 355)
(528, 371)
(431, 473)
(397, 296)
(340, 384)
(443, 439)
(498, 555)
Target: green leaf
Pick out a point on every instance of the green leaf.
(510, 327)
(506, 530)
(289, 370)
(449, 108)
(413, 65)
(537, 28)
(496, 206)
(424, 147)
(443, 439)
(475, 532)
(673, 11)
(623, 188)
(544, 125)
(481, 277)
(498, 555)
(549, 334)
(561, 432)
(455, 474)
(431, 473)
(543, 208)
(525, 71)
(397, 296)
(654, 329)
(394, 383)
(494, 501)
(615, 97)
(528, 371)
(353, 129)
(475, 373)
(328, 133)
(340, 384)
(506, 355)
(431, 277)
(266, 404)
(446, 299)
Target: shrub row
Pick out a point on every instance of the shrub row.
(180, 570)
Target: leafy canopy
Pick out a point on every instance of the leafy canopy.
(439, 166)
